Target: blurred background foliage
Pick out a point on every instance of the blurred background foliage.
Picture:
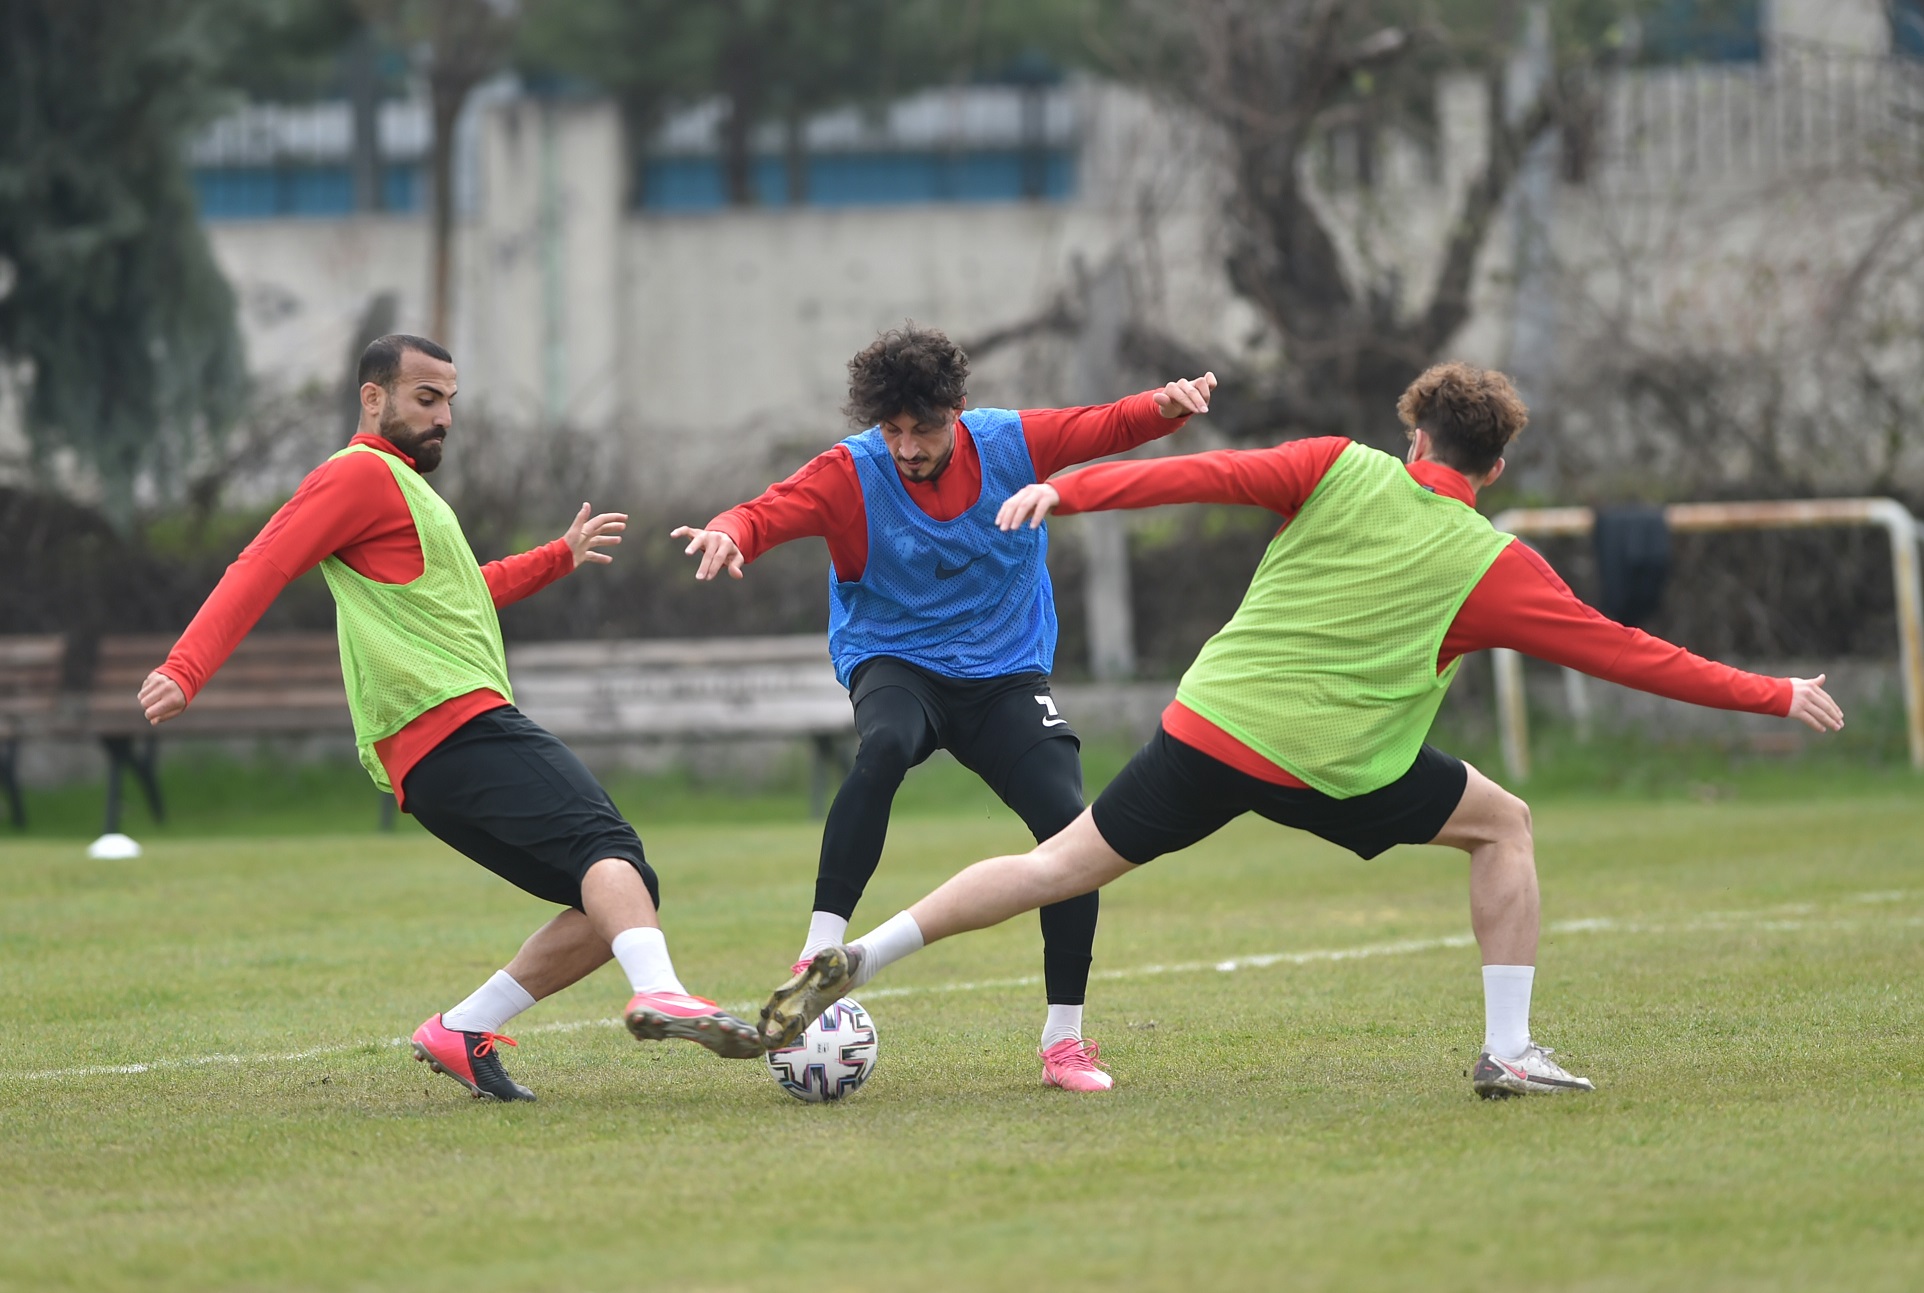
(121, 332)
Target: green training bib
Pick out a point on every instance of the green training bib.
(405, 648)
(1328, 667)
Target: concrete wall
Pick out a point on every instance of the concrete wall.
(715, 345)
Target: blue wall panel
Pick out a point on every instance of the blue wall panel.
(869, 179)
(260, 192)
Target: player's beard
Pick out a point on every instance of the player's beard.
(422, 446)
(931, 469)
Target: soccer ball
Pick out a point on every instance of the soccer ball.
(833, 1057)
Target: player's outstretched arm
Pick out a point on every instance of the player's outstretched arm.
(1812, 706)
(591, 532)
(715, 548)
(1279, 479)
(345, 500)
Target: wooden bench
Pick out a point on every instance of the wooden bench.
(275, 684)
(30, 672)
(289, 684)
(689, 689)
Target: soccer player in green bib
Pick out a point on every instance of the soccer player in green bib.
(1312, 705)
(434, 716)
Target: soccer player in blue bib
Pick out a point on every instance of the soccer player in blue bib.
(942, 626)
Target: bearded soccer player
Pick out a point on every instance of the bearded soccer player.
(1311, 706)
(943, 626)
(433, 715)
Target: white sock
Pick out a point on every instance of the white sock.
(1064, 1024)
(490, 1007)
(1506, 1009)
(825, 929)
(643, 954)
(887, 943)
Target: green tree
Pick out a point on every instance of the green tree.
(288, 51)
(115, 310)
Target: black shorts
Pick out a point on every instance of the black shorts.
(1171, 795)
(506, 792)
(988, 724)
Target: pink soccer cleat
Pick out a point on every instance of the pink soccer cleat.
(660, 1016)
(1071, 1065)
(469, 1058)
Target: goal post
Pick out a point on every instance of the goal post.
(1513, 722)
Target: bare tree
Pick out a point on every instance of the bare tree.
(459, 44)
(1273, 77)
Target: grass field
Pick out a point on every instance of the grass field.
(1740, 977)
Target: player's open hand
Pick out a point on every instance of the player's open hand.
(1182, 397)
(718, 551)
(1028, 506)
(1812, 706)
(591, 532)
(161, 698)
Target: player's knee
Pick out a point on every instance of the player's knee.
(1513, 818)
(884, 754)
(1054, 818)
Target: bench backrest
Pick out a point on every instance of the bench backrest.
(30, 669)
(290, 683)
(689, 687)
(274, 683)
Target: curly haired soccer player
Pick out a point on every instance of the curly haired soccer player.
(433, 716)
(943, 626)
(1311, 705)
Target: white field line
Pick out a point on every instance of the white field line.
(1782, 918)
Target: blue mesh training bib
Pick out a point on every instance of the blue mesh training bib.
(959, 598)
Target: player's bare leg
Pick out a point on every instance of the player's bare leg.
(1075, 862)
(1493, 826)
(559, 955)
(464, 1042)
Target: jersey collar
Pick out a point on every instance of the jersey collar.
(1446, 481)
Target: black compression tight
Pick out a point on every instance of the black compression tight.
(1044, 789)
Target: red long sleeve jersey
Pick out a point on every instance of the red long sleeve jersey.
(824, 498)
(1519, 603)
(351, 508)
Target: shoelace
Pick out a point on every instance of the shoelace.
(1082, 1057)
(486, 1045)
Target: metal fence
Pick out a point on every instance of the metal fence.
(1804, 106)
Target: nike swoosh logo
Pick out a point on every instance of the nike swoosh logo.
(1539, 1079)
(950, 572)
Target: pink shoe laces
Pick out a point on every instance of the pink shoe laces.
(1074, 1055)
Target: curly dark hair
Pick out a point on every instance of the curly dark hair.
(1471, 414)
(912, 370)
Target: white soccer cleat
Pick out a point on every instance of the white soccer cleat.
(1531, 1073)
